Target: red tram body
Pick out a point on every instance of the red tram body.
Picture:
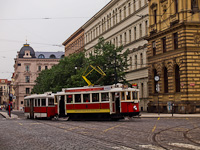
(85, 102)
(98, 102)
(40, 106)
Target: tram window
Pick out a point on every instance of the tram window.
(95, 97)
(86, 97)
(28, 104)
(35, 102)
(43, 102)
(77, 98)
(104, 97)
(122, 96)
(38, 102)
(135, 96)
(128, 95)
(69, 99)
(51, 101)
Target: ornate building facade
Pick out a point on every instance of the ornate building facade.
(27, 67)
(124, 22)
(4, 91)
(174, 56)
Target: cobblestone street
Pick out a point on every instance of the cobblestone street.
(137, 133)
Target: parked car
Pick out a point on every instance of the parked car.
(0, 108)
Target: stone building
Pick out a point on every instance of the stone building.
(174, 55)
(4, 91)
(75, 43)
(124, 22)
(28, 65)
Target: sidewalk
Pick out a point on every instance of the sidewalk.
(5, 114)
(155, 115)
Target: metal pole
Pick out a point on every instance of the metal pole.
(158, 105)
(115, 69)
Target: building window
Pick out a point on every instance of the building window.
(131, 62)
(142, 90)
(135, 33)
(27, 79)
(52, 56)
(194, 6)
(165, 81)
(136, 61)
(146, 27)
(139, 3)
(39, 68)
(27, 68)
(129, 8)
(27, 90)
(124, 11)
(125, 38)
(116, 41)
(129, 36)
(22, 102)
(120, 15)
(140, 30)
(177, 78)
(120, 40)
(134, 5)
(46, 67)
(154, 47)
(141, 59)
(176, 6)
(176, 40)
(164, 44)
(155, 16)
(41, 56)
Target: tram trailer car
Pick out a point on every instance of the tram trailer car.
(40, 106)
(98, 102)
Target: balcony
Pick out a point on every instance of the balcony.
(153, 29)
(174, 19)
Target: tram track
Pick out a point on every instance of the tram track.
(185, 133)
(98, 132)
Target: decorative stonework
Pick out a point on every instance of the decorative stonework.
(169, 64)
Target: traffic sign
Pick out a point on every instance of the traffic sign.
(156, 78)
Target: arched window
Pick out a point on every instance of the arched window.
(177, 78)
(165, 81)
(41, 56)
(52, 56)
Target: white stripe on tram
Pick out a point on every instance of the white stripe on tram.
(153, 147)
(189, 146)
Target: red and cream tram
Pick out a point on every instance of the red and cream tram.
(98, 102)
(40, 106)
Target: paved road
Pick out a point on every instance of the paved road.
(144, 133)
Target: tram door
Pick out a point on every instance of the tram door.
(31, 109)
(62, 106)
(117, 102)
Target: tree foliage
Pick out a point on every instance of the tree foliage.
(64, 74)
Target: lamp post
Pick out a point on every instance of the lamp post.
(75, 69)
(157, 78)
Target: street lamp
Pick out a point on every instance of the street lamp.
(75, 69)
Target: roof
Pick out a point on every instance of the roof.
(57, 55)
(26, 47)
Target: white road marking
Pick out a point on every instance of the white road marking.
(189, 146)
(122, 148)
(151, 147)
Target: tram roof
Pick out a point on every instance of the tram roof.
(45, 95)
(95, 89)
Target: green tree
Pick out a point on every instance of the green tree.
(112, 60)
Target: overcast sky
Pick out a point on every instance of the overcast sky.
(27, 19)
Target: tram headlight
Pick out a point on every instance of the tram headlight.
(135, 107)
